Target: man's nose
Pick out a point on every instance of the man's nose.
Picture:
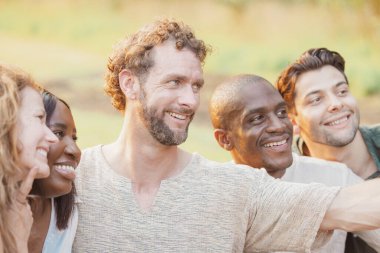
(188, 97)
(335, 103)
(275, 124)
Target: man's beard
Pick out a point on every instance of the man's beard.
(338, 141)
(159, 129)
(334, 139)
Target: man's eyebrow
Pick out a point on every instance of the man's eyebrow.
(183, 77)
(312, 93)
(317, 91)
(245, 114)
(281, 104)
(341, 83)
(175, 76)
(252, 111)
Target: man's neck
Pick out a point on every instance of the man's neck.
(146, 162)
(355, 155)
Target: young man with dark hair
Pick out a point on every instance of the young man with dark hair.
(326, 115)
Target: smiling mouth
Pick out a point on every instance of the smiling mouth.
(275, 144)
(66, 168)
(42, 152)
(177, 116)
(67, 171)
(337, 122)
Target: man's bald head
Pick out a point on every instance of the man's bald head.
(225, 102)
(251, 122)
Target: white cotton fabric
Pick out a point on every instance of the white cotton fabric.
(306, 169)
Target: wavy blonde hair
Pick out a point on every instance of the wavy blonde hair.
(12, 81)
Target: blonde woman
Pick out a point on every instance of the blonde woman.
(24, 143)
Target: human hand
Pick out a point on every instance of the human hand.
(20, 214)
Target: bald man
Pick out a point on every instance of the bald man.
(251, 122)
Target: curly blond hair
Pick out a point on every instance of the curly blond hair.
(133, 53)
(12, 81)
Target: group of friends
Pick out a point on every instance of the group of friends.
(142, 193)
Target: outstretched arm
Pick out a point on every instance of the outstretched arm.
(355, 208)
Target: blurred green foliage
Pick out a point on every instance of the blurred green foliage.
(65, 45)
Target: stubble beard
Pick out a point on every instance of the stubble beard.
(158, 128)
(336, 140)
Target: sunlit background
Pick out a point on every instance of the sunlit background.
(65, 45)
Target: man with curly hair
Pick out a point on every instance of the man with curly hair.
(142, 193)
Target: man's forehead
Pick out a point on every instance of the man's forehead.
(168, 48)
(257, 91)
(253, 100)
(167, 58)
(318, 77)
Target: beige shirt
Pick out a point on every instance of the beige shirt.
(209, 207)
(308, 170)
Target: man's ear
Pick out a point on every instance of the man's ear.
(223, 138)
(129, 84)
(293, 119)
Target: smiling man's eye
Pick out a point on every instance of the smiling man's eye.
(342, 92)
(315, 100)
(174, 82)
(282, 113)
(256, 119)
(197, 87)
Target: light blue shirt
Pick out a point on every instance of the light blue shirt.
(60, 240)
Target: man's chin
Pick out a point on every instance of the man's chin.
(181, 139)
(280, 163)
(176, 139)
(340, 140)
(277, 172)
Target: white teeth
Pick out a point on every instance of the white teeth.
(336, 122)
(42, 152)
(177, 116)
(274, 144)
(64, 168)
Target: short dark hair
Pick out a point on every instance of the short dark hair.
(312, 59)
